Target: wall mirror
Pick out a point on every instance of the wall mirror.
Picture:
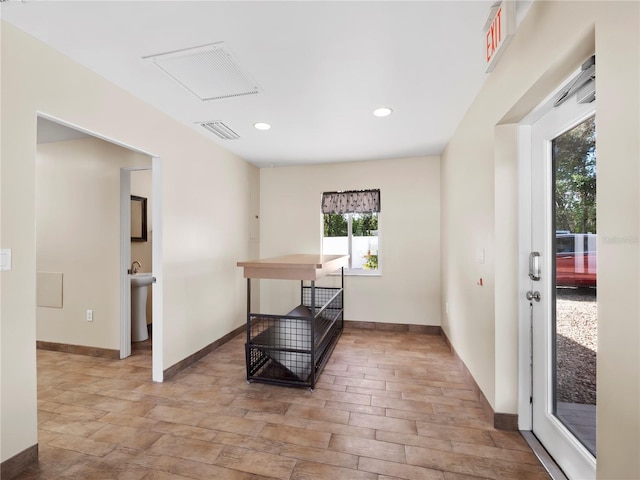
(138, 219)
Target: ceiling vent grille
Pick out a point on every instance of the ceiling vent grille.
(209, 72)
(220, 130)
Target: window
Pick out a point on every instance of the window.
(351, 227)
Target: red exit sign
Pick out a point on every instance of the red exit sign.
(498, 31)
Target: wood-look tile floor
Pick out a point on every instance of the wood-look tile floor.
(389, 405)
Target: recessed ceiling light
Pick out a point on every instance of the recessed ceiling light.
(262, 126)
(382, 112)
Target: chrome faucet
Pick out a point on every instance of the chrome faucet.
(135, 266)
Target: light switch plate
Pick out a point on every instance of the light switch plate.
(5, 259)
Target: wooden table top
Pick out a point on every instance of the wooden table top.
(294, 267)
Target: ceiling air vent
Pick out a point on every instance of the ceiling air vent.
(220, 130)
(209, 72)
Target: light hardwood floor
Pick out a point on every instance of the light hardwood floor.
(389, 405)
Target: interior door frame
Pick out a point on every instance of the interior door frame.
(156, 256)
(125, 257)
(157, 369)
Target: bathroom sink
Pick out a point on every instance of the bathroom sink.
(139, 288)
(141, 279)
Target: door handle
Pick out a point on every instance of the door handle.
(533, 295)
(534, 266)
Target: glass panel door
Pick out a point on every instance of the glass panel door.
(562, 289)
(575, 308)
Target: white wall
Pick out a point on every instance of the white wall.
(478, 200)
(78, 235)
(206, 215)
(408, 291)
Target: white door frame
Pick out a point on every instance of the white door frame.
(525, 379)
(125, 260)
(525, 354)
(158, 262)
(156, 256)
(576, 456)
(571, 454)
(125, 256)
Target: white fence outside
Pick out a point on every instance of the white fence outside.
(362, 246)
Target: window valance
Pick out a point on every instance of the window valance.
(352, 201)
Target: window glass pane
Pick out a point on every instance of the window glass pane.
(365, 224)
(335, 225)
(362, 239)
(335, 239)
(564, 243)
(575, 310)
(335, 246)
(365, 241)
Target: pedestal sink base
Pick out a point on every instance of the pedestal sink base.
(139, 285)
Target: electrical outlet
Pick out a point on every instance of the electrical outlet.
(89, 315)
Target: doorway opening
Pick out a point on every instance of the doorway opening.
(80, 241)
(136, 230)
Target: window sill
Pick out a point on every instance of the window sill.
(358, 273)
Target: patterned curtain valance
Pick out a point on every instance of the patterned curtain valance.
(354, 201)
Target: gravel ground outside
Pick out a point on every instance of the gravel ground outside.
(576, 345)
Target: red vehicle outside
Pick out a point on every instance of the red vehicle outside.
(576, 260)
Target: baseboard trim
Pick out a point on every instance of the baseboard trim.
(17, 464)
(193, 358)
(79, 350)
(394, 327)
(505, 421)
(500, 421)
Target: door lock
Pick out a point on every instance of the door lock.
(533, 296)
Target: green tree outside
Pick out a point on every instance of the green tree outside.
(362, 224)
(574, 159)
(335, 225)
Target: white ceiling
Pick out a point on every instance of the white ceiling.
(323, 67)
